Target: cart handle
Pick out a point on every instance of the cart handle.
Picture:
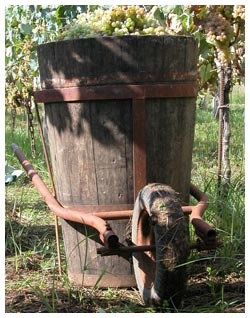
(96, 220)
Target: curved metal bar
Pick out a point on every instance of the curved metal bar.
(201, 206)
(206, 232)
(107, 236)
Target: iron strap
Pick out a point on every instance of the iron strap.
(133, 91)
(139, 145)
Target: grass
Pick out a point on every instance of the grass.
(216, 278)
(230, 221)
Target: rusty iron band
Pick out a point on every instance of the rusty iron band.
(139, 145)
(135, 91)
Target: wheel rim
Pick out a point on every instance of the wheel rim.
(146, 260)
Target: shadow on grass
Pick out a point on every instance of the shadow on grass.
(20, 238)
(198, 299)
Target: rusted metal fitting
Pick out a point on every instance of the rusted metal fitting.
(110, 239)
(204, 231)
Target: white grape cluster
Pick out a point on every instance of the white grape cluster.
(115, 21)
(223, 57)
(218, 29)
(220, 32)
(239, 12)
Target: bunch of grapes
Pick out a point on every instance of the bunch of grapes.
(223, 56)
(117, 20)
(239, 12)
(18, 75)
(225, 10)
(217, 28)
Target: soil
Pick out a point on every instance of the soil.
(202, 295)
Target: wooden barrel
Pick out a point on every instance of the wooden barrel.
(120, 113)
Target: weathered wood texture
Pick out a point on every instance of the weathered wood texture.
(91, 142)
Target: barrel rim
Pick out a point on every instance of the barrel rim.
(118, 37)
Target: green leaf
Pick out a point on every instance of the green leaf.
(204, 48)
(205, 72)
(159, 15)
(19, 85)
(167, 9)
(26, 28)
